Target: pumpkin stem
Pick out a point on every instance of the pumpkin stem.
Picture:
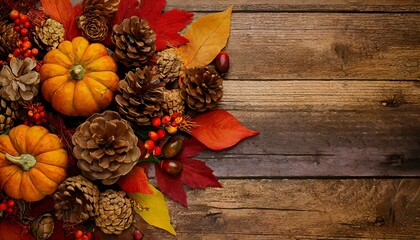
(77, 71)
(25, 161)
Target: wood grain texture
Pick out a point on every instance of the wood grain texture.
(297, 5)
(300, 209)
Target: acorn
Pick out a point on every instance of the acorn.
(222, 62)
(172, 147)
(172, 167)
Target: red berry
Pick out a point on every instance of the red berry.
(42, 114)
(157, 151)
(166, 119)
(26, 24)
(156, 122)
(14, 15)
(153, 136)
(17, 28)
(78, 234)
(79, 238)
(17, 21)
(171, 167)
(9, 210)
(25, 39)
(23, 18)
(34, 51)
(3, 206)
(26, 45)
(89, 235)
(44, 120)
(85, 237)
(38, 67)
(40, 108)
(161, 133)
(137, 234)
(222, 62)
(27, 55)
(36, 116)
(149, 145)
(24, 31)
(11, 203)
(16, 52)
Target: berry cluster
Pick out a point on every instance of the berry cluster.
(80, 235)
(8, 205)
(22, 25)
(35, 114)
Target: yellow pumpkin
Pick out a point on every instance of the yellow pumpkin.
(32, 163)
(79, 78)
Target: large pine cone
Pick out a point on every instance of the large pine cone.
(8, 38)
(173, 101)
(18, 81)
(114, 213)
(134, 40)
(105, 8)
(106, 147)
(140, 96)
(202, 89)
(76, 200)
(170, 65)
(49, 34)
(8, 114)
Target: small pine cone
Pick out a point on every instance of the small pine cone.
(104, 8)
(76, 200)
(8, 114)
(49, 34)
(94, 28)
(8, 38)
(43, 226)
(202, 89)
(170, 65)
(106, 147)
(18, 81)
(134, 40)
(173, 101)
(114, 213)
(140, 96)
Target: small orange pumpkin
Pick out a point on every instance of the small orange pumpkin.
(79, 78)
(32, 163)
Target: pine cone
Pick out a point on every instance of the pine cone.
(76, 200)
(49, 34)
(94, 28)
(135, 42)
(8, 38)
(18, 81)
(103, 8)
(114, 213)
(173, 101)
(170, 65)
(202, 88)
(140, 96)
(8, 114)
(43, 226)
(106, 147)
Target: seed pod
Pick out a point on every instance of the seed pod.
(171, 167)
(222, 62)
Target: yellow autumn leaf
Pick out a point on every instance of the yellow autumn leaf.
(157, 213)
(207, 35)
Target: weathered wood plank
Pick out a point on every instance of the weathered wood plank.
(297, 5)
(300, 209)
(323, 128)
(325, 46)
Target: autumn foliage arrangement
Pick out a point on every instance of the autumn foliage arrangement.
(97, 96)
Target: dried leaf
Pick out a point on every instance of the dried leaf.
(207, 36)
(196, 174)
(135, 181)
(219, 129)
(157, 213)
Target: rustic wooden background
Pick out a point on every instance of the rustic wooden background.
(333, 87)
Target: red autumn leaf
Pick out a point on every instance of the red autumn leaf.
(166, 25)
(219, 129)
(196, 174)
(135, 181)
(10, 230)
(126, 9)
(192, 148)
(63, 12)
(171, 185)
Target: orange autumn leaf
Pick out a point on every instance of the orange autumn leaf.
(219, 129)
(207, 35)
(135, 181)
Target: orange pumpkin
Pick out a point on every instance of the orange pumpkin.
(79, 78)
(32, 163)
